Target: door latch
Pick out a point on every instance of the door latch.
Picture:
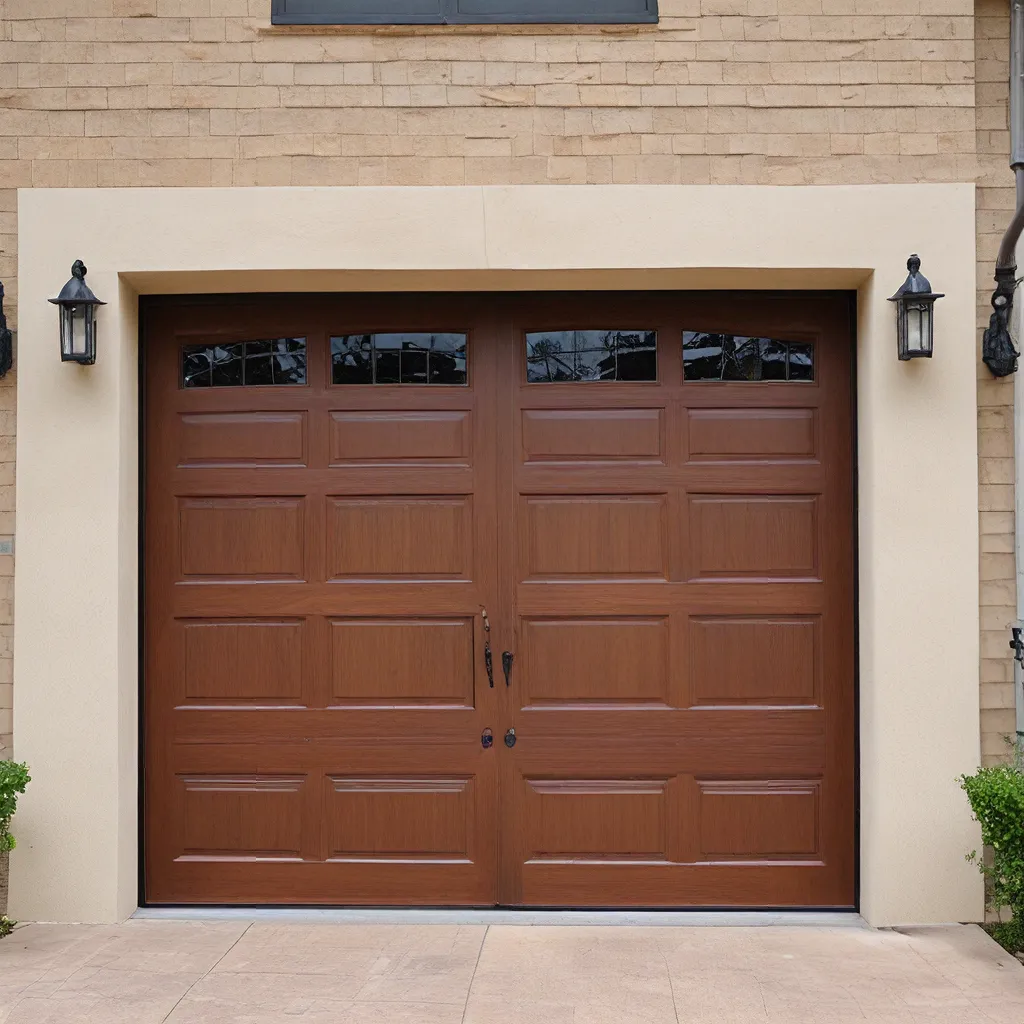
(487, 739)
(510, 738)
(488, 657)
(506, 666)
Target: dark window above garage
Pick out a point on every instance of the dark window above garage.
(456, 12)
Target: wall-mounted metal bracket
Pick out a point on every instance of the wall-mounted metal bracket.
(997, 349)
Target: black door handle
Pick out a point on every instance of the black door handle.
(506, 666)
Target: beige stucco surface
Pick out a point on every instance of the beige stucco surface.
(77, 486)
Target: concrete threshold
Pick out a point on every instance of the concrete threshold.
(503, 916)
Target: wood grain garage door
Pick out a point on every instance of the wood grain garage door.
(336, 491)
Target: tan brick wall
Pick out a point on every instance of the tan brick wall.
(206, 92)
(996, 202)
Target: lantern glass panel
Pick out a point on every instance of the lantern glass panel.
(915, 328)
(90, 333)
(77, 333)
(919, 328)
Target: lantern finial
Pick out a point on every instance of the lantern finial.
(79, 270)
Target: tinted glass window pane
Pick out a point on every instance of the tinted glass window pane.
(801, 361)
(272, 361)
(773, 359)
(554, 357)
(408, 358)
(436, 12)
(732, 357)
(195, 367)
(352, 359)
(227, 365)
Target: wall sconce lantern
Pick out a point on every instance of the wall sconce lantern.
(6, 339)
(77, 318)
(915, 322)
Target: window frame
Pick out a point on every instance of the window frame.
(570, 12)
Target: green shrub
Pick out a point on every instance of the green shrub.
(6, 925)
(14, 777)
(997, 799)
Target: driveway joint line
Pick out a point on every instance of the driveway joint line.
(469, 988)
(201, 977)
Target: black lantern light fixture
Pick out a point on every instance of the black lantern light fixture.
(77, 317)
(915, 321)
(6, 339)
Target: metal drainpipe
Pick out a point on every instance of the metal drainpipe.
(1006, 272)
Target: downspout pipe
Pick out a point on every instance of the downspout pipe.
(997, 350)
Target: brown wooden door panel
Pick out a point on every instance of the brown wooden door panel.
(318, 557)
(669, 561)
(683, 605)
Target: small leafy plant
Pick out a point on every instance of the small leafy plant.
(997, 799)
(6, 925)
(14, 777)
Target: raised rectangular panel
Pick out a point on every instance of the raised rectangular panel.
(758, 820)
(402, 661)
(406, 537)
(752, 434)
(585, 435)
(414, 818)
(400, 436)
(242, 439)
(257, 538)
(241, 817)
(754, 536)
(595, 661)
(587, 535)
(595, 819)
(754, 660)
(243, 660)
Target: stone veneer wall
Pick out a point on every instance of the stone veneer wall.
(207, 92)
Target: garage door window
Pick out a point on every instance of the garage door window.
(408, 358)
(559, 357)
(244, 363)
(454, 12)
(733, 357)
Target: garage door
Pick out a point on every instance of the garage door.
(518, 599)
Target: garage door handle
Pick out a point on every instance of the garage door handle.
(506, 666)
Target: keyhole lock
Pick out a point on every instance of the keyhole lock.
(510, 738)
(487, 739)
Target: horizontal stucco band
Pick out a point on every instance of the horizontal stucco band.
(76, 633)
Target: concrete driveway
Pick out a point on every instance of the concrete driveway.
(262, 971)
